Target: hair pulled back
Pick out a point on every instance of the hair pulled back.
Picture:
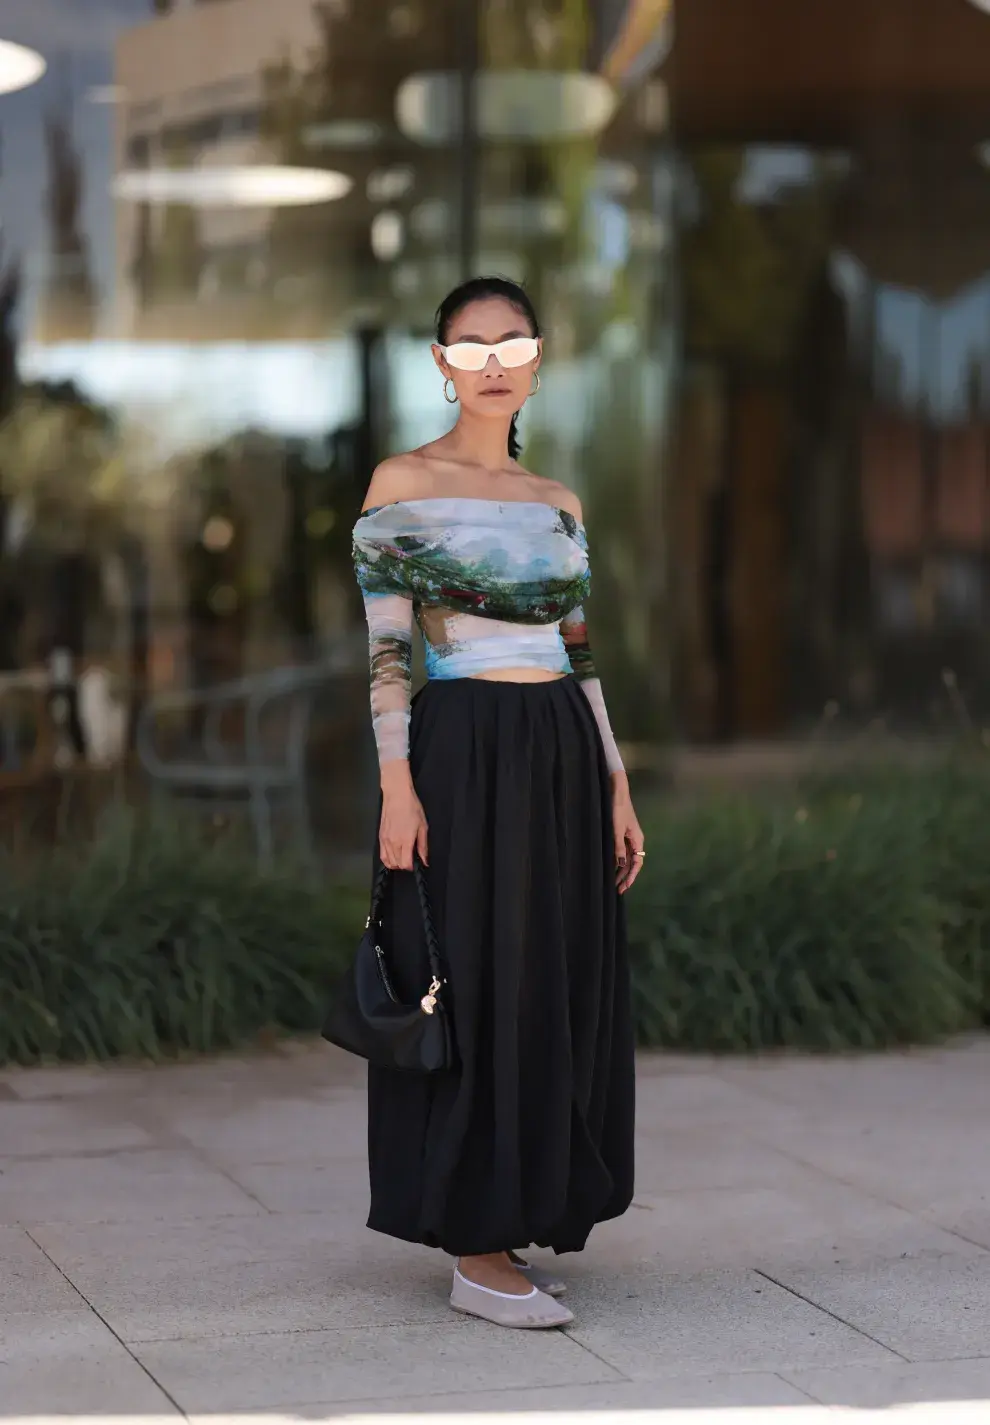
(480, 289)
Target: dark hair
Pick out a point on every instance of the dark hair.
(479, 289)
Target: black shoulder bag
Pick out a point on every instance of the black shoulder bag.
(367, 1018)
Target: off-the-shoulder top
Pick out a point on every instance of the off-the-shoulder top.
(492, 584)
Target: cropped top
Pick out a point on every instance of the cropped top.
(491, 584)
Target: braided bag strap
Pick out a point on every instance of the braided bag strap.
(378, 893)
(429, 929)
(432, 942)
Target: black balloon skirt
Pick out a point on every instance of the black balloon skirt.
(530, 1140)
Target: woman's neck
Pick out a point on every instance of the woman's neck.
(480, 441)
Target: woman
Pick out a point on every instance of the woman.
(507, 783)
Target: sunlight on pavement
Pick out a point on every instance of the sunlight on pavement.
(971, 1412)
(975, 1412)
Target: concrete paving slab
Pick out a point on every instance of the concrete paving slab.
(865, 1086)
(681, 1101)
(686, 1159)
(658, 1063)
(649, 1326)
(62, 1082)
(903, 1383)
(288, 1068)
(925, 1309)
(308, 1367)
(695, 1393)
(961, 1214)
(224, 1241)
(157, 1285)
(233, 1256)
(258, 1297)
(810, 1221)
(157, 1184)
(40, 1129)
(108, 1386)
(340, 1186)
(301, 1069)
(420, 1411)
(68, 1363)
(274, 1131)
(890, 1157)
(29, 1282)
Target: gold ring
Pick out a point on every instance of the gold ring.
(640, 854)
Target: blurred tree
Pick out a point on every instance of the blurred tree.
(66, 465)
(82, 494)
(217, 592)
(759, 310)
(748, 267)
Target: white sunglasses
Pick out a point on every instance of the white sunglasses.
(472, 356)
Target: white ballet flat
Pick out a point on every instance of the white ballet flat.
(544, 1281)
(533, 1312)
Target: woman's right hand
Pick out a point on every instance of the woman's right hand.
(403, 828)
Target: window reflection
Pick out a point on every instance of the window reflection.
(834, 471)
(226, 227)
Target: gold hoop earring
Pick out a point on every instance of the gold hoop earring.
(537, 386)
(451, 400)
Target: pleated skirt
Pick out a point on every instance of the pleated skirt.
(530, 1140)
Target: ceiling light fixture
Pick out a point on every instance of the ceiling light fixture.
(242, 186)
(344, 133)
(19, 67)
(524, 105)
(387, 235)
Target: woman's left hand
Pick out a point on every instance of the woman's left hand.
(628, 836)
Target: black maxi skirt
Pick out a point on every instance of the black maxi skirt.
(530, 1141)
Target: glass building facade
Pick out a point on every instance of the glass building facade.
(757, 236)
(830, 490)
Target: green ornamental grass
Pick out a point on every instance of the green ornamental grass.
(154, 941)
(852, 913)
(773, 926)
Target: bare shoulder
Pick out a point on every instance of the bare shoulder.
(400, 477)
(568, 501)
(552, 492)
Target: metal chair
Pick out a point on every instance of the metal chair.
(259, 772)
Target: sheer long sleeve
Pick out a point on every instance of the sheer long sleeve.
(574, 631)
(390, 620)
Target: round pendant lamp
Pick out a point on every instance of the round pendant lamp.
(240, 186)
(512, 105)
(19, 67)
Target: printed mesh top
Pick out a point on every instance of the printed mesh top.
(492, 584)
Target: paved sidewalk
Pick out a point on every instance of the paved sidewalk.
(190, 1240)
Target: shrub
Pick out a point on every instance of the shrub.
(154, 941)
(853, 913)
(816, 927)
(945, 801)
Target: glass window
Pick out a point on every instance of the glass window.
(226, 227)
(831, 488)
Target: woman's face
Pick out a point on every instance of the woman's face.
(500, 387)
